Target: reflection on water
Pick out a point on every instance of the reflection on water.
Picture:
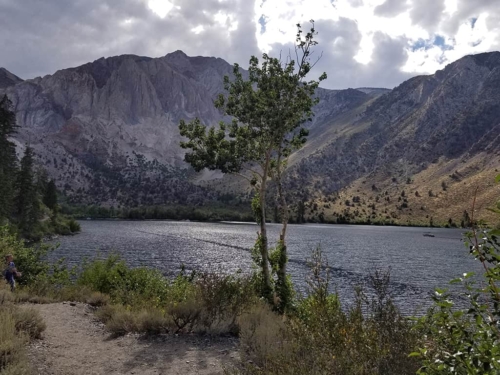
(418, 263)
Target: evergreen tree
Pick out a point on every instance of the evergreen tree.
(27, 205)
(50, 196)
(8, 161)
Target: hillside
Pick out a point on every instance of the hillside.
(437, 138)
(107, 130)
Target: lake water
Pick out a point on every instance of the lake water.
(418, 263)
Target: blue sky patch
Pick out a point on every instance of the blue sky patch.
(429, 43)
(262, 22)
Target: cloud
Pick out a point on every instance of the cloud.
(427, 13)
(364, 42)
(391, 8)
(38, 37)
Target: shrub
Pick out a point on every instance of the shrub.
(185, 314)
(121, 321)
(29, 260)
(97, 299)
(321, 338)
(153, 321)
(261, 333)
(466, 340)
(74, 226)
(29, 321)
(223, 298)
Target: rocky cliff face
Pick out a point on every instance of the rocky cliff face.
(107, 130)
(8, 79)
(104, 115)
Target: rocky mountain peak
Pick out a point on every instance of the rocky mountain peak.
(491, 60)
(8, 79)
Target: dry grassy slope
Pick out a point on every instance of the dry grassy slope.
(463, 181)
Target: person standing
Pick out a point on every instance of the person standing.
(11, 272)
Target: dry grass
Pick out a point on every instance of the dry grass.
(98, 299)
(28, 321)
(460, 178)
(17, 326)
(12, 343)
(262, 335)
(120, 321)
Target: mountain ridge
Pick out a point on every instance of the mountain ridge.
(8, 79)
(120, 114)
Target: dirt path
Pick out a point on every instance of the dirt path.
(75, 343)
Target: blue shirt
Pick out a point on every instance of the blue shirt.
(9, 272)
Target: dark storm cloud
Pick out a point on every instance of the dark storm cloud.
(39, 37)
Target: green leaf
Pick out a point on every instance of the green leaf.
(497, 178)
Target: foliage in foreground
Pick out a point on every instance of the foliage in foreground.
(322, 337)
(318, 335)
(142, 300)
(467, 340)
(18, 325)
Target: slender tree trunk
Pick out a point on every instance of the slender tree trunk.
(284, 221)
(263, 230)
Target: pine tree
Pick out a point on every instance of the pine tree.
(50, 196)
(27, 204)
(8, 160)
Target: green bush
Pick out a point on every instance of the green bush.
(224, 299)
(466, 340)
(128, 286)
(74, 226)
(29, 260)
(371, 337)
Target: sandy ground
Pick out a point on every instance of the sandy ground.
(76, 343)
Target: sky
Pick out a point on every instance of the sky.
(362, 43)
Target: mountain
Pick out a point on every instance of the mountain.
(414, 155)
(107, 130)
(8, 79)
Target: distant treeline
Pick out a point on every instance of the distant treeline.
(174, 212)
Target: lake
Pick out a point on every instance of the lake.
(418, 263)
